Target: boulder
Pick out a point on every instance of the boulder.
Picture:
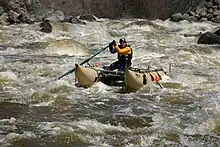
(71, 19)
(209, 16)
(216, 2)
(217, 32)
(56, 16)
(216, 19)
(18, 11)
(201, 9)
(13, 5)
(209, 38)
(203, 19)
(59, 15)
(188, 17)
(176, 17)
(191, 13)
(76, 21)
(45, 26)
(209, 4)
(13, 16)
(1, 10)
(88, 17)
(216, 13)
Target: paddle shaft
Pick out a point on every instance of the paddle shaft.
(87, 60)
(146, 70)
(132, 69)
(160, 85)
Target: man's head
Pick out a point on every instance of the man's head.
(123, 41)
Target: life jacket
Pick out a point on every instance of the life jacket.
(124, 58)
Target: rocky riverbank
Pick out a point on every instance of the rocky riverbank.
(209, 10)
(17, 11)
(28, 11)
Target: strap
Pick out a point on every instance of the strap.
(159, 75)
(144, 79)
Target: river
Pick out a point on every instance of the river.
(39, 111)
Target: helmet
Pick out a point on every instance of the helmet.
(122, 40)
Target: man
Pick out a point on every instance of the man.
(124, 55)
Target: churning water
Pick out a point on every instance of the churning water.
(38, 111)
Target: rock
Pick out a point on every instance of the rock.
(185, 16)
(4, 19)
(217, 12)
(88, 17)
(209, 16)
(209, 38)
(216, 2)
(203, 19)
(189, 18)
(201, 11)
(28, 3)
(209, 4)
(22, 4)
(1, 10)
(67, 18)
(210, 11)
(35, 10)
(215, 7)
(216, 19)
(45, 26)
(57, 16)
(217, 32)
(72, 19)
(13, 5)
(13, 17)
(204, 13)
(77, 21)
(192, 18)
(4, 4)
(176, 17)
(191, 13)
(21, 10)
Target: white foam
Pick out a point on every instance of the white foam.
(9, 75)
(66, 47)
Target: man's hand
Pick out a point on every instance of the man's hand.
(114, 43)
(112, 46)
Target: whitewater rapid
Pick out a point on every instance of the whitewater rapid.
(38, 110)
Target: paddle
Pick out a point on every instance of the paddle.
(160, 85)
(87, 60)
(146, 70)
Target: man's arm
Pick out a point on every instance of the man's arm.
(125, 51)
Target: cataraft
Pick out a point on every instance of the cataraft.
(131, 80)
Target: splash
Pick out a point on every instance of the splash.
(67, 47)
